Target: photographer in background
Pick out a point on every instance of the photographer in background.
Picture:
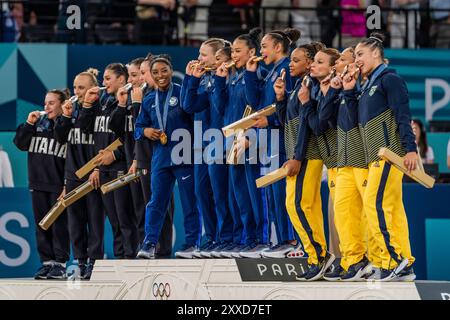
(6, 176)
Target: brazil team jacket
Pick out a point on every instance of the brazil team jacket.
(177, 118)
(95, 120)
(350, 142)
(80, 145)
(324, 127)
(299, 142)
(46, 156)
(384, 115)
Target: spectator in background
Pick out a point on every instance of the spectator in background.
(6, 176)
(440, 28)
(276, 19)
(400, 20)
(9, 25)
(41, 20)
(329, 20)
(193, 22)
(123, 13)
(43, 13)
(353, 27)
(156, 22)
(17, 12)
(305, 20)
(246, 12)
(426, 152)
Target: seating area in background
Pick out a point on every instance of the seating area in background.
(188, 22)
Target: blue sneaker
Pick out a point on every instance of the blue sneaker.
(206, 253)
(206, 246)
(254, 251)
(334, 274)
(358, 271)
(228, 250)
(187, 252)
(147, 251)
(317, 271)
(216, 252)
(235, 253)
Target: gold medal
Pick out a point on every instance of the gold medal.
(163, 138)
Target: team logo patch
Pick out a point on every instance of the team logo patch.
(372, 90)
(173, 101)
(365, 183)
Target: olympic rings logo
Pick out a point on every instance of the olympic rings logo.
(161, 290)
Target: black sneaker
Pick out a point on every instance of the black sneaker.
(334, 274)
(42, 272)
(358, 271)
(316, 271)
(147, 251)
(82, 267)
(87, 272)
(406, 274)
(58, 272)
(392, 274)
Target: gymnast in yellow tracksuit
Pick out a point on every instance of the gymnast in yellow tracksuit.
(384, 121)
(303, 200)
(325, 129)
(351, 180)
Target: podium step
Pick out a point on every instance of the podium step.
(201, 280)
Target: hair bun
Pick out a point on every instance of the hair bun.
(255, 33)
(318, 45)
(293, 35)
(93, 71)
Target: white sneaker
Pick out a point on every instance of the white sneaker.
(255, 251)
(187, 253)
(279, 251)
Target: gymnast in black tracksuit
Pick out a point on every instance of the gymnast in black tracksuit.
(121, 123)
(46, 159)
(86, 216)
(138, 154)
(94, 118)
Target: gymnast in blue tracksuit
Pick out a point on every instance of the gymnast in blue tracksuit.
(161, 115)
(229, 95)
(198, 97)
(275, 49)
